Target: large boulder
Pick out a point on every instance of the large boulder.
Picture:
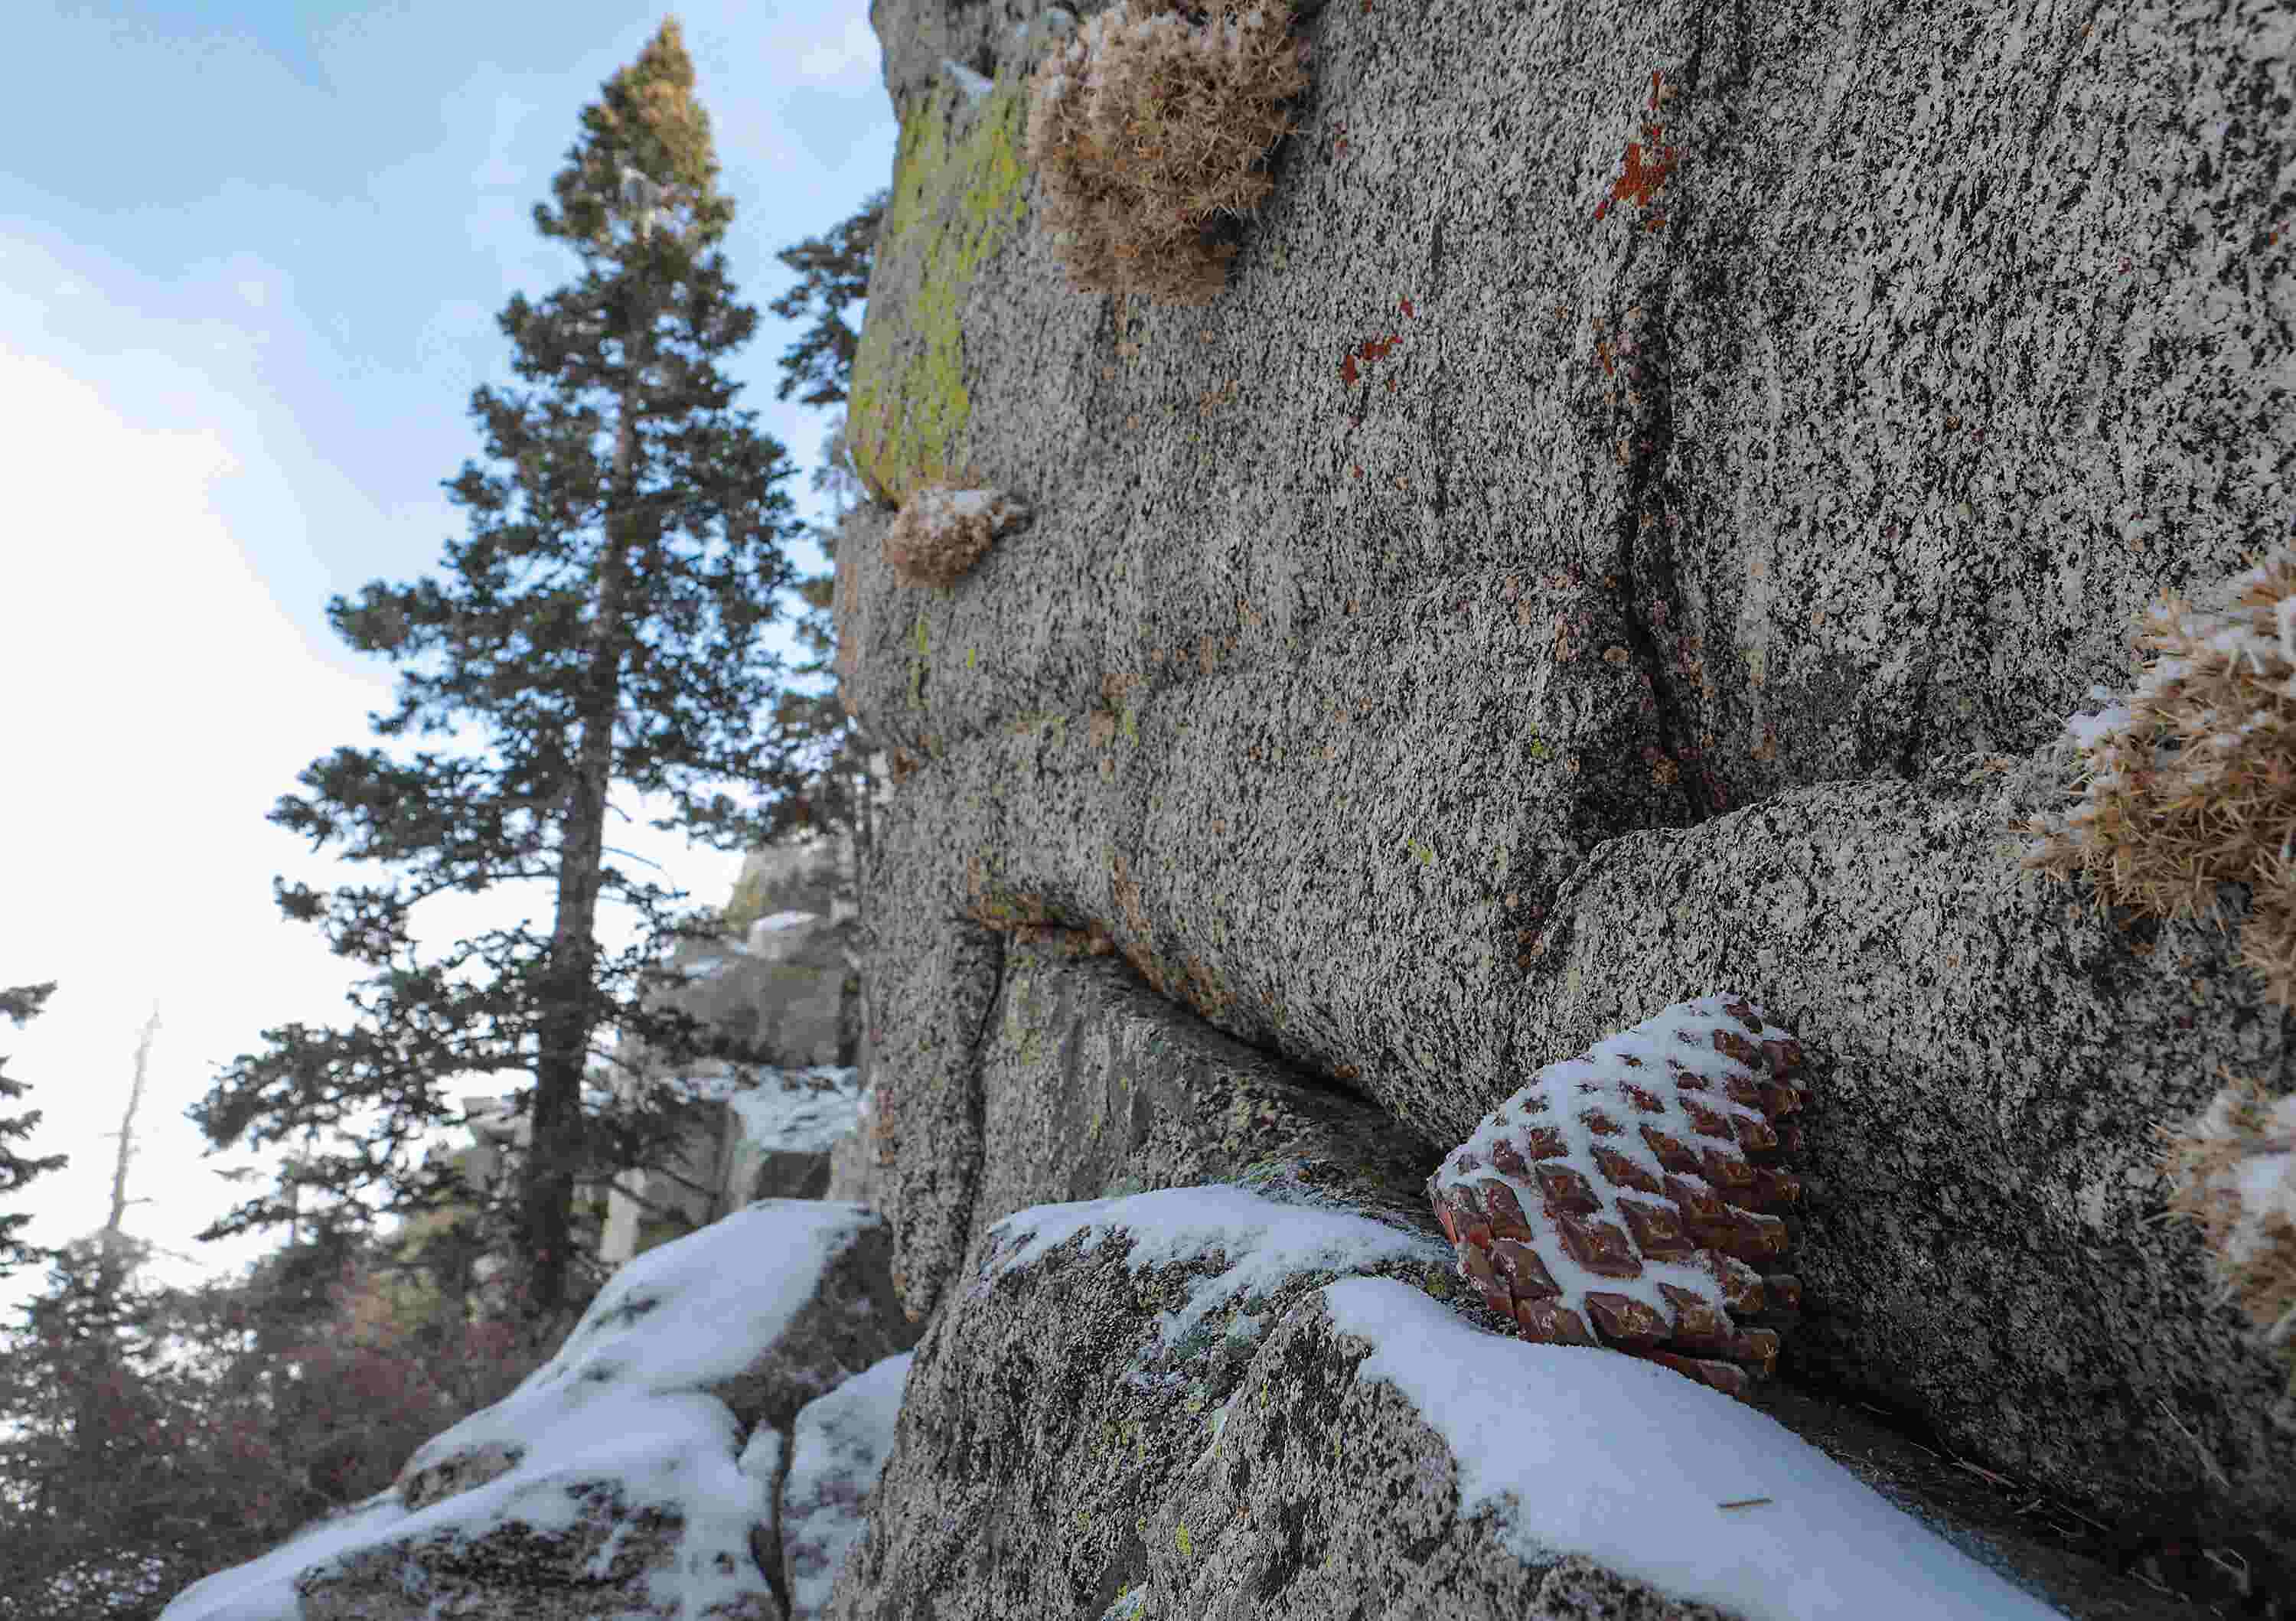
(1276, 1404)
(1639, 471)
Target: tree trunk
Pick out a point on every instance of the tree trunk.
(555, 1160)
(114, 1262)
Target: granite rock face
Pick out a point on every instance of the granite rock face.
(1552, 584)
(1632, 529)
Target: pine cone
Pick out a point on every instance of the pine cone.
(1622, 1198)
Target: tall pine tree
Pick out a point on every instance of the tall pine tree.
(601, 626)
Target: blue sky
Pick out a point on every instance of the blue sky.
(250, 258)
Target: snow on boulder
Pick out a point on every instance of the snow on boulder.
(1225, 1402)
(837, 1451)
(776, 936)
(628, 1471)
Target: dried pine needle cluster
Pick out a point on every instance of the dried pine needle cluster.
(2192, 783)
(2188, 785)
(1147, 127)
(940, 533)
(2235, 1173)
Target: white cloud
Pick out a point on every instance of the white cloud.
(851, 53)
(159, 701)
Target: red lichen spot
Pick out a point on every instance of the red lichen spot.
(1370, 350)
(1642, 180)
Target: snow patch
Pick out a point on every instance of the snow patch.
(1583, 1451)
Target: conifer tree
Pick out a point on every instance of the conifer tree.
(19, 1005)
(601, 625)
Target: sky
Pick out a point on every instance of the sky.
(250, 256)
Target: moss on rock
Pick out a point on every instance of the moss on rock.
(959, 193)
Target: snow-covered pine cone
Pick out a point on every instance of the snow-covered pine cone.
(1623, 1198)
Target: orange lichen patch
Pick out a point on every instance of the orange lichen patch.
(1645, 1241)
(1126, 889)
(1090, 941)
(1203, 990)
(1643, 178)
(994, 907)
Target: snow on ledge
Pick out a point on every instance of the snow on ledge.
(1584, 1450)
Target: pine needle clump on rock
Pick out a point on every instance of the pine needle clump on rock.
(940, 532)
(2192, 783)
(2234, 1170)
(1150, 126)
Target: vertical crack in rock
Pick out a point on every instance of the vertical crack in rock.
(1640, 398)
(773, 1561)
(1437, 395)
(940, 1181)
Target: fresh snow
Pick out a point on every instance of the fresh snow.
(1581, 1450)
(837, 1451)
(1573, 1449)
(800, 1110)
(624, 1402)
(783, 919)
(1577, 1449)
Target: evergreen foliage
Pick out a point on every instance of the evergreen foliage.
(149, 1436)
(600, 625)
(835, 267)
(19, 1005)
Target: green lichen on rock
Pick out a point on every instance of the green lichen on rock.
(960, 191)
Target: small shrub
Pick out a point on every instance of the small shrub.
(1147, 128)
(2192, 783)
(941, 532)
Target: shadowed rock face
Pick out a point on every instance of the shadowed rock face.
(1491, 622)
